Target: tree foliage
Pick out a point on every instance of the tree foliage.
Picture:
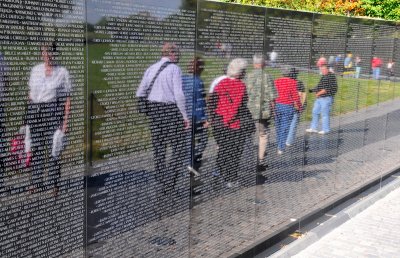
(386, 9)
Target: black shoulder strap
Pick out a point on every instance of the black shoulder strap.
(155, 77)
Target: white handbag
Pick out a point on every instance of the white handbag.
(58, 143)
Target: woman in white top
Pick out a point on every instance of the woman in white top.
(48, 111)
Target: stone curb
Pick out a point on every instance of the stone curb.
(338, 219)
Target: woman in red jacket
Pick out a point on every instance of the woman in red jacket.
(231, 120)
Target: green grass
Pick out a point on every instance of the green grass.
(352, 93)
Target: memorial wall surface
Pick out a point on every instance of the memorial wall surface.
(43, 94)
(183, 128)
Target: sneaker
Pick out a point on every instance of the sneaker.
(215, 173)
(235, 184)
(322, 132)
(193, 171)
(229, 185)
(260, 179)
(310, 130)
(261, 167)
(280, 152)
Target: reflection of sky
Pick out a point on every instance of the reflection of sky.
(93, 17)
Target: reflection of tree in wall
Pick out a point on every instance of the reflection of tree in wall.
(329, 36)
(289, 34)
(188, 4)
(230, 30)
(387, 9)
(124, 29)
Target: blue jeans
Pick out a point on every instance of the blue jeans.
(358, 72)
(376, 72)
(292, 129)
(283, 117)
(322, 106)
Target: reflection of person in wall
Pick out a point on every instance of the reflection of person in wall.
(376, 65)
(348, 63)
(262, 95)
(167, 115)
(339, 64)
(390, 68)
(3, 81)
(287, 103)
(213, 84)
(357, 63)
(321, 60)
(302, 94)
(193, 87)
(273, 57)
(231, 120)
(47, 117)
(324, 92)
(331, 64)
(217, 80)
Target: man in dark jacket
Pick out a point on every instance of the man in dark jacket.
(324, 92)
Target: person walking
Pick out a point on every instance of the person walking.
(287, 103)
(193, 88)
(162, 87)
(231, 120)
(262, 95)
(358, 64)
(348, 64)
(325, 92)
(390, 68)
(296, 116)
(376, 65)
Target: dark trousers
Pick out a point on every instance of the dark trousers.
(167, 129)
(231, 145)
(43, 120)
(2, 157)
(199, 144)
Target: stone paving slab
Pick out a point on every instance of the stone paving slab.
(372, 232)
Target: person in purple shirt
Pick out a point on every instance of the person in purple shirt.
(167, 116)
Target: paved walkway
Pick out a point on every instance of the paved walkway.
(372, 233)
(310, 175)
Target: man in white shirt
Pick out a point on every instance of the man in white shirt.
(167, 114)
